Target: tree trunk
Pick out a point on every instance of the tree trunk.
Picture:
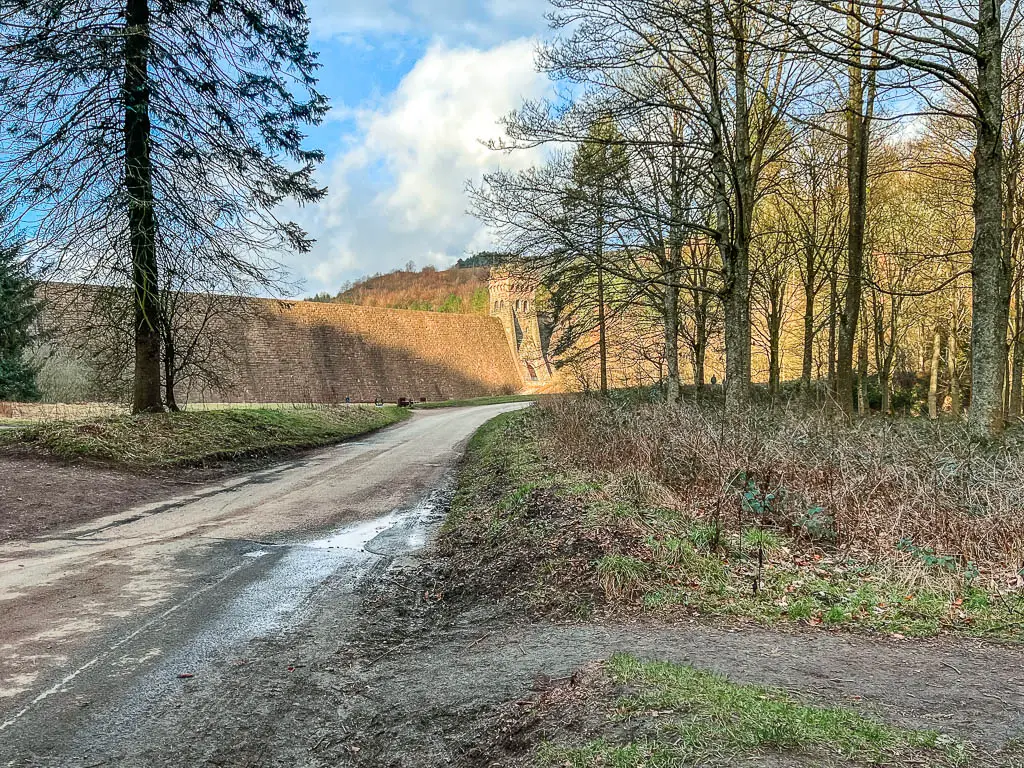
(737, 334)
(141, 213)
(700, 337)
(673, 390)
(808, 357)
(990, 279)
(1017, 385)
(955, 396)
(699, 357)
(733, 224)
(933, 381)
(885, 385)
(833, 311)
(671, 317)
(737, 311)
(775, 317)
(857, 136)
(170, 378)
(863, 406)
(602, 329)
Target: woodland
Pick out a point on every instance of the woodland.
(811, 192)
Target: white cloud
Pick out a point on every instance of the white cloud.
(467, 21)
(397, 192)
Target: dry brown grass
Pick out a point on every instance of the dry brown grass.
(861, 487)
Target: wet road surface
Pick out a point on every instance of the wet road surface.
(101, 624)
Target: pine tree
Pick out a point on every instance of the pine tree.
(19, 310)
(143, 138)
(599, 167)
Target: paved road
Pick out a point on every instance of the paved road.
(98, 622)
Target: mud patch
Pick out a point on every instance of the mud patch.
(37, 496)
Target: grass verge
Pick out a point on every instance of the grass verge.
(573, 541)
(497, 400)
(192, 438)
(659, 714)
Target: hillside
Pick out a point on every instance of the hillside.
(458, 290)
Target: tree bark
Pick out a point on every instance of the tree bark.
(863, 406)
(808, 351)
(700, 336)
(933, 381)
(1017, 380)
(733, 224)
(170, 377)
(857, 143)
(673, 389)
(602, 327)
(671, 318)
(776, 314)
(885, 385)
(990, 278)
(952, 367)
(141, 214)
(833, 311)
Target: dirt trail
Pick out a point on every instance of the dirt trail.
(339, 648)
(62, 593)
(381, 676)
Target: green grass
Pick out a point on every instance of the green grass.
(494, 450)
(496, 400)
(524, 527)
(675, 715)
(193, 438)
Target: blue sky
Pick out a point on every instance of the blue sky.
(415, 85)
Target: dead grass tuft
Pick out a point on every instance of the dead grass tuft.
(581, 505)
(875, 487)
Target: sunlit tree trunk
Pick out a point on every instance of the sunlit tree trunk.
(807, 364)
(953, 369)
(776, 315)
(863, 407)
(933, 381)
(990, 294)
(1017, 366)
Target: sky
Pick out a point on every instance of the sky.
(415, 87)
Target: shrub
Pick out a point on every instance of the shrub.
(866, 485)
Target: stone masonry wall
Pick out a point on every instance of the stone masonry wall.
(313, 352)
(309, 352)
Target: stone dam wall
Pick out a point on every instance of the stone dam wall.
(300, 352)
(307, 352)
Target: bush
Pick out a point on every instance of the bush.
(866, 485)
(17, 379)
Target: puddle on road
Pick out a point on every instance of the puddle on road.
(358, 535)
(286, 584)
(393, 533)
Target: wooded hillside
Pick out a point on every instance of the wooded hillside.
(458, 290)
